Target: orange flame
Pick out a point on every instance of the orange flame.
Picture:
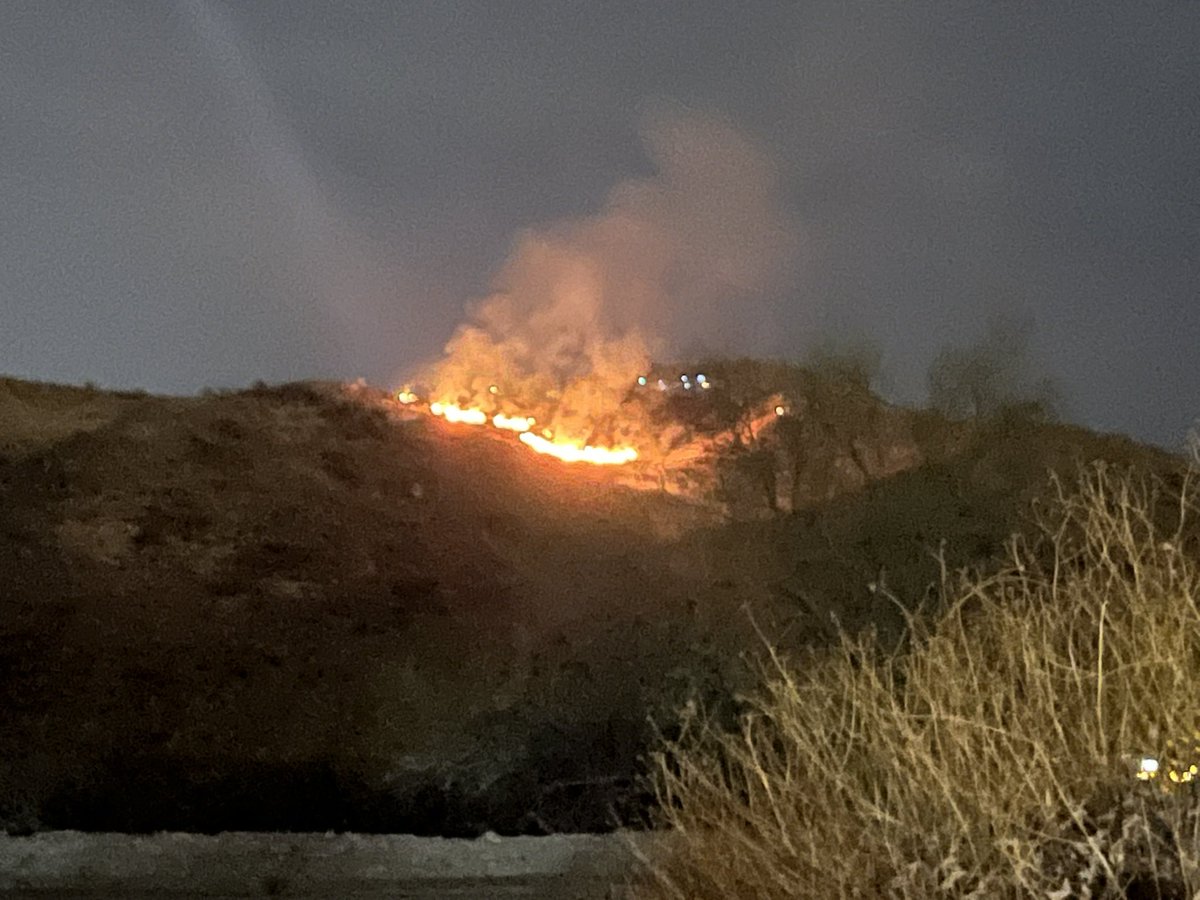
(513, 423)
(544, 443)
(567, 452)
(452, 412)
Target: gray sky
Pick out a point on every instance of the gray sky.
(195, 193)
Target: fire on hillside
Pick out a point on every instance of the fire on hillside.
(546, 442)
(582, 305)
(610, 427)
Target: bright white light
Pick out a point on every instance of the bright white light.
(513, 423)
(642, 380)
(1148, 764)
(452, 412)
(683, 378)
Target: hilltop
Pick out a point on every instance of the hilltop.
(305, 607)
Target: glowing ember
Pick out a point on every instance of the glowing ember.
(600, 456)
(545, 443)
(513, 423)
(452, 412)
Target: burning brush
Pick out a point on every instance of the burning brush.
(573, 312)
(546, 443)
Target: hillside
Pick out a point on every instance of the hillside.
(305, 607)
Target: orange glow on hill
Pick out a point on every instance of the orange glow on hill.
(513, 423)
(452, 412)
(571, 452)
(546, 443)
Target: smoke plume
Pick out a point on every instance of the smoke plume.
(582, 306)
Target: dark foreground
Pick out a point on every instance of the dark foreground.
(306, 608)
(77, 865)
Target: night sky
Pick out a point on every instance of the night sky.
(196, 193)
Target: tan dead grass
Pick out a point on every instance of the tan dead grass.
(998, 756)
(35, 416)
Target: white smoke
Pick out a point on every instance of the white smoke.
(580, 307)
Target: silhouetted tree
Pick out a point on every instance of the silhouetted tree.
(991, 377)
(857, 361)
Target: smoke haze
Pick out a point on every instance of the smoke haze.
(203, 193)
(582, 306)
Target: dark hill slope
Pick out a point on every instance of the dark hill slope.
(295, 608)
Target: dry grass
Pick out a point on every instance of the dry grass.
(998, 756)
(34, 416)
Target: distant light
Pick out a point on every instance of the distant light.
(683, 378)
(642, 380)
(779, 410)
(687, 385)
(493, 389)
(1148, 764)
(706, 384)
(702, 379)
(662, 385)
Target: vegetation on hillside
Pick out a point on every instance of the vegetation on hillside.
(299, 606)
(992, 376)
(1036, 737)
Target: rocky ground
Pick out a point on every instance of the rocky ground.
(305, 608)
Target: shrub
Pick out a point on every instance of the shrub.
(1004, 752)
(992, 377)
(857, 361)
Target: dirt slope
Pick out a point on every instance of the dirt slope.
(303, 608)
